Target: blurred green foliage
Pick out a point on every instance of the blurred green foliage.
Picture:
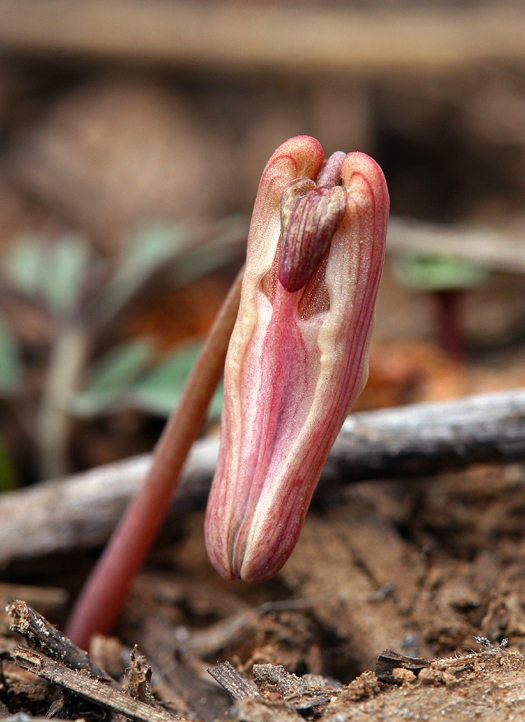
(433, 273)
(65, 279)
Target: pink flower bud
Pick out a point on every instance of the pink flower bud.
(298, 356)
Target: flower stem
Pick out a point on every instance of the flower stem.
(54, 421)
(104, 593)
(450, 333)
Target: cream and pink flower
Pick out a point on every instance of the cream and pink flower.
(298, 356)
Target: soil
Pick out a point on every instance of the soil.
(431, 569)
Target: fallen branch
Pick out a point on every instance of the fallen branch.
(81, 511)
(418, 440)
(255, 37)
(490, 249)
(425, 439)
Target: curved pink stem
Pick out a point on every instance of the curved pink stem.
(103, 595)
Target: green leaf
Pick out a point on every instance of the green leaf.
(151, 246)
(112, 377)
(432, 273)
(22, 264)
(10, 363)
(159, 392)
(148, 251)
(226, 245)
(66, 267)
(53, 270)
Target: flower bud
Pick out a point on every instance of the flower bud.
(298, 356)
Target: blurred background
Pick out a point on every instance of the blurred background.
(133, 134)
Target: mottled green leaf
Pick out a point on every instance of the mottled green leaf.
(227, 245)
(10, 362)
(148, 251)
(67, 264)
(431, 273)
(22, 264)
(112, 376)
(159, 391)
(51, 271)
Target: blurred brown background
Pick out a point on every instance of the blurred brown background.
(116, 114)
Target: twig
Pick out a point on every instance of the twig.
(389, 660)
(302, 694)
(232, 681)
(211, 640)
(89, 688)
(44, 637)
(417, 440)
(158, 640)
